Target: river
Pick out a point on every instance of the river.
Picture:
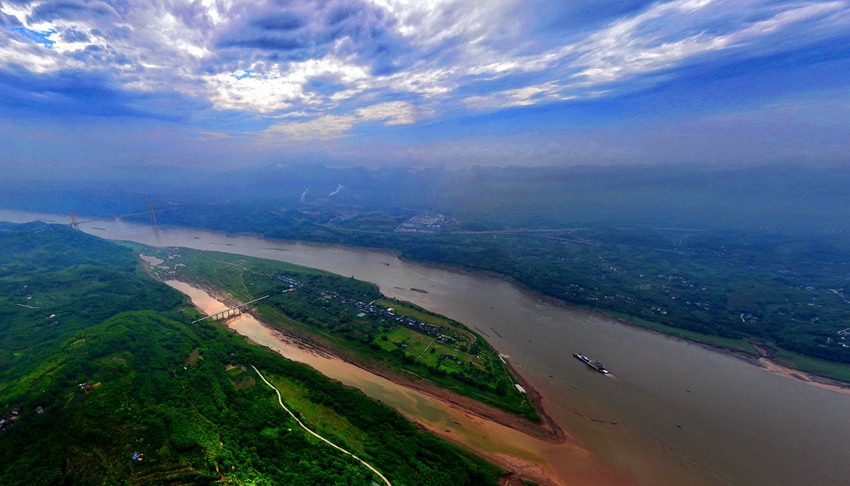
(671, 413)
(561, 463)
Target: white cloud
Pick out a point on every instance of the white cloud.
(661, 37)
(430, 22)
(154, 47)
(628, 47)
(329, 127)
(395, 112)
(529, 95)
(276, 90)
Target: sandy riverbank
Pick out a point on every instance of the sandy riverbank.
(542, 460)
(543, 454)
(546, 430)
(211, 300)
(811, 379)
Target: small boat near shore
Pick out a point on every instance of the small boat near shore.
(592, 363)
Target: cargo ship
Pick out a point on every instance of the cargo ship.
(591, 362)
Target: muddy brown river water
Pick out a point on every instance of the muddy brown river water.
(561, 463)
(671, 412)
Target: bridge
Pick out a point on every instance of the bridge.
(76, 223)
(228, 313)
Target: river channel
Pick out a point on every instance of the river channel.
(563, 463)
(670, 413)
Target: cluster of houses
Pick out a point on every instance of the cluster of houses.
(370, 308)
(9, 417)
(414, 324)
(425, 223)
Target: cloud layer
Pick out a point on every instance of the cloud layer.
(292, 71)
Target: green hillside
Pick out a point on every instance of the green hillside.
(122, 374)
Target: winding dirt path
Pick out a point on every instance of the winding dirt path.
(280, 401)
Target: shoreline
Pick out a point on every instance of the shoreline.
(809, 377)
(764, 360)
(761, 361)
(516, 468)
(502, 461)
(547, 430)
(814, 380)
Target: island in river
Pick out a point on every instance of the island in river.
(546, 459)
(353, 320)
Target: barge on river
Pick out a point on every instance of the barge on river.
(592, 363)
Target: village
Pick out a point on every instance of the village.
(426, 222)
(372, 308)
(11, 416)
(442, 348)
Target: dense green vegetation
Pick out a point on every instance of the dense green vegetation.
(114, 380)
(729, 285)
(54, 282)
(350, 315)
(767, 243)
(724, 287)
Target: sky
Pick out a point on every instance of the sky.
(230, 83)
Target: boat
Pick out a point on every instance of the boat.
(592, 363)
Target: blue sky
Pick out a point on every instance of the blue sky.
(230, 83)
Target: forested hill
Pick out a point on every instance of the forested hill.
(104, 381)
(55, 281)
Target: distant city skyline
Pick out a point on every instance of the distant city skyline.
(228, 84)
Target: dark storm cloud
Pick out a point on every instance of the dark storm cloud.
(300, 30)
(282, 21)
(78, 92)
(70, 10)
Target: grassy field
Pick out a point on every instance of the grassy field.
(323, 420)
(414, 361)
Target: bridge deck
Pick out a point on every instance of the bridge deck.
(229, 312)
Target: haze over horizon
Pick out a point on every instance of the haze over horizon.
(229, 84)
